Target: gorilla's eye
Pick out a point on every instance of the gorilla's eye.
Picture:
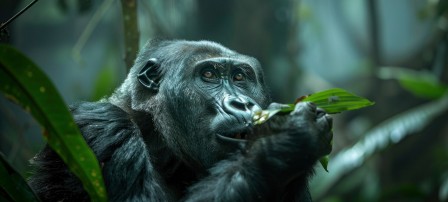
(208, 74)
(238, 77)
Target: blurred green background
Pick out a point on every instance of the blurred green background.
(394, 52)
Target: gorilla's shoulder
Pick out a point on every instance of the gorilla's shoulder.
(103, 125)
(98, 112)
(102, 115)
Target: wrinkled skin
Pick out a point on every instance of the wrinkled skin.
(180, 128)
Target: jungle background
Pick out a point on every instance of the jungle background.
(393, 52)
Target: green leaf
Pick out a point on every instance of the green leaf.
(263, 115)
(324, 162)
(420, 83)
(24, 83)
(337, 100)
(105, 83)
(13, 183)
(424, 89)
(333, 101)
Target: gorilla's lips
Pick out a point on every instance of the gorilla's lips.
(239, 135)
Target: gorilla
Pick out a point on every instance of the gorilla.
(180, 128)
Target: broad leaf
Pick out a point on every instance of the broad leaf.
(23, 83)
(13, 183)
(337, 100)
(390, 132)
(333, 101)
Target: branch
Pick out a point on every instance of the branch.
(131, 33)
(4, 25)
(89, 29)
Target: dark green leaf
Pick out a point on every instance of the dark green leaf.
(425, 89)
(22, 82)
(105, 83)
(324, 162)
(13, 183)
(421, 84)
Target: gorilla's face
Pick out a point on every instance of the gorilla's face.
(231, 88)
(207, 99)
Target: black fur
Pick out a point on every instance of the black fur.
(177, 138)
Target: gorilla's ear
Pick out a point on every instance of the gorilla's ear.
(149, 75)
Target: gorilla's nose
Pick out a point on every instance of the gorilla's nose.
(240, 107)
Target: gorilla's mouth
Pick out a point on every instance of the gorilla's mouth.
(241, 135)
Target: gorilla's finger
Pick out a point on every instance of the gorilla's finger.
(305, 109)
(275, 105)
(326, 143)
(320, 113)
(324, 122)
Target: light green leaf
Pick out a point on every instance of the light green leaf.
(263, 115)
(333, 101)
(337, 100)
(25, 84)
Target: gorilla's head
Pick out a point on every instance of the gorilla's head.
(199, 95)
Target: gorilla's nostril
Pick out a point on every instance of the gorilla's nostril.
(320, 113)
(234, 104)
(239, 105)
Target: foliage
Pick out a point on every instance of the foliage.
(337, 100)
(421, 84)
(105, 83)
(389, 132)
(333, 101)
(22, 82)
(13, 184)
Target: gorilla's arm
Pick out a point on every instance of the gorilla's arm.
(276, 167)
(239, 180)
(121, 151)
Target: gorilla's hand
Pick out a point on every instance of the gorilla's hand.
(294, 143)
